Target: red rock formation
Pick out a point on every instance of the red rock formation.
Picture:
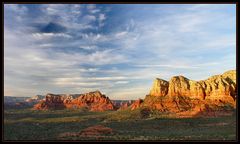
(51, 101)
(160, 87)
(124, 106)
(189, 97)
(136, 104)
(94, 101)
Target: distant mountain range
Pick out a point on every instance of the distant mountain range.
(21, 102)
(12, 99)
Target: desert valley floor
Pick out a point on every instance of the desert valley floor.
(113, 125)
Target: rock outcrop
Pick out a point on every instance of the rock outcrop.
(160, 87)
(181, 95)
(136, 104)
(214, 87)
(94, 101)
(122, 104)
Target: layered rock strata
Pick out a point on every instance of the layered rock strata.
(181, 94)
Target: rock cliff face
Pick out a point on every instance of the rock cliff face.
(181, 94)
(94, 101)
(136, 104)
(214, 87)
(160, 87)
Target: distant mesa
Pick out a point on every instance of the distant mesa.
(93, 101)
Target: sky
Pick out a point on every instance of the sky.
(118, 49)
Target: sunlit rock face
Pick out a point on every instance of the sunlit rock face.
(215, 87)
(136, 104)
(94, 101)
(160, 87)
(181, 94)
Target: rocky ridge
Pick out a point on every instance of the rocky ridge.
(93, 101)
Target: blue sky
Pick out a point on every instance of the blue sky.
(118, 49)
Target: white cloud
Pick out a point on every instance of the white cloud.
(54, 9)
(102, 17)
(46, 45)
(108, 78)
(90, 18)
(72, 79)
(170, 66)
(50, 35)
(88, 47)
(105, 57)
(74, 84)
(93, 11)
(121, 34)
(121, 82)
(76, 9)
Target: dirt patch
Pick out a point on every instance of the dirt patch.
(92, 131)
